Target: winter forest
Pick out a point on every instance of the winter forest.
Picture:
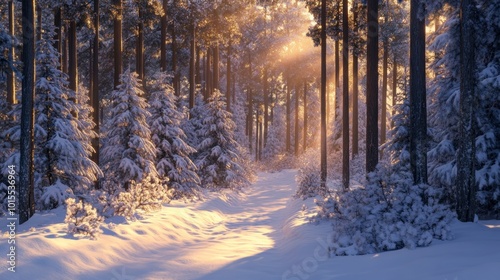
(249, 139)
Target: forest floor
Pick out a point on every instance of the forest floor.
(259, 234)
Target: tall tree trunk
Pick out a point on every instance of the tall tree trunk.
(260, 140)
(175, 60)
(296, 129)
(117, 47)
(73, 56)
(208, 75)
(383, 105)
(394, 88)
(323, 151)
(11, 78)
(228, 77)
(418, 112)
(257, 135)
(337, 83)
(216, 59)
(94, 97)
(64, 54)
(163, 40)
(466, 184)
(197, 77)
(345, 97)
(355, 91)
(26, 183)
(140, 50)
(249, 102)
(304, 129)
(192, 66)
(372, 87)
(265, 85)
(288, 124)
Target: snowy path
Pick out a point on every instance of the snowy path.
(260, 234)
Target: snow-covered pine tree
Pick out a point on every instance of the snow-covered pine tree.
(62, 156)
(173, 163)
(218, 158)
(128, 154)
(194, 123)
(444, 110)
(275, 145)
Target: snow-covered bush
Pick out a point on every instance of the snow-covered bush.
(388, 213)
(309, 176)
(309, 179)
(82, 218)
(55, 195)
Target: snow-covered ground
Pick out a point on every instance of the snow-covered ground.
(259, 234)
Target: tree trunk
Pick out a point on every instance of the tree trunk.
(257, 135)
(304, 129)
(466, 184)
(175, 60)
(197, 77)
(265, 86)
(296, 130)
(26, 183)
(94, 97)
(192, 66)
(260, 140)
(208, 76)
(11, 78)
(383, 115)
(64, 54)
(323, 151)
(215, 75)
(73, 56)
(337, 83)
(228, 78)
(355, 91)
(249, 102)
(345, 97)
(163, 40)
(140, 50)
(418, 112)
(288, 124)
(394, 88)
(372, 87)
(117, 29)
(250, 118)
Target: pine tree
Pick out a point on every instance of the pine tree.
(219, 159)
(444, 110)
(128, 154)
(62, 141)
(172, 152)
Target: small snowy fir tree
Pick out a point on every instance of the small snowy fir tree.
(62, 163)
(275, 145)
(82, 218)
(218, 157)
(173, 163)
(195, 122)
(128, 154)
